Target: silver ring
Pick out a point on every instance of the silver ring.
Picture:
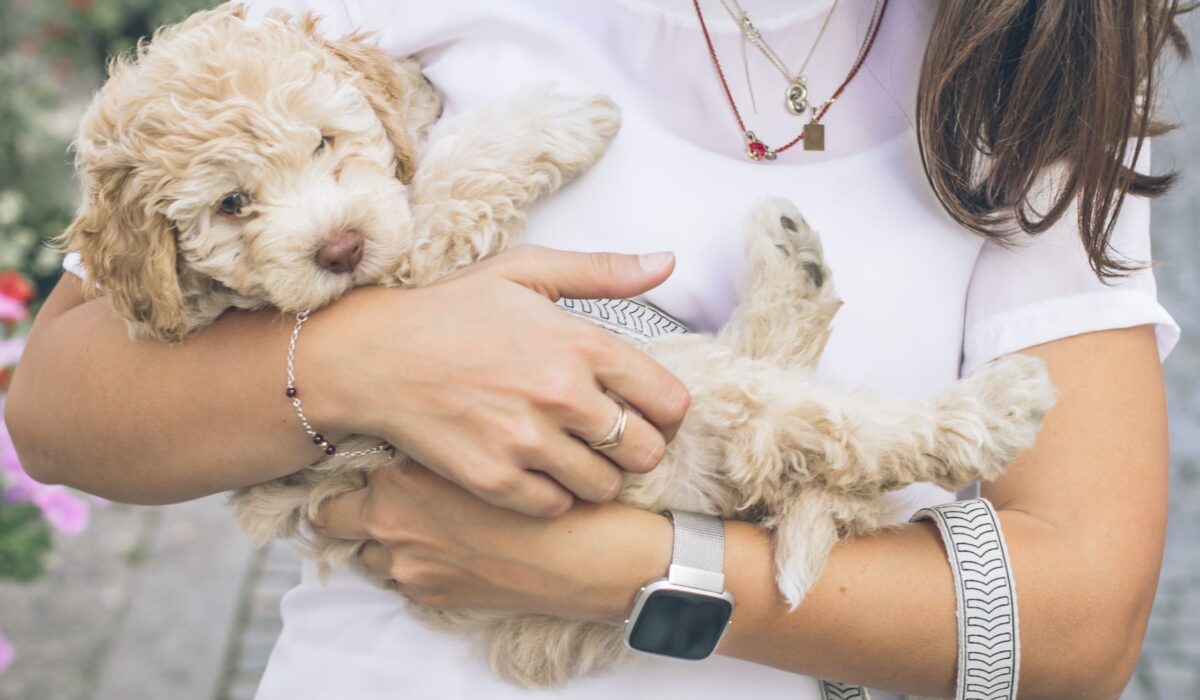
(615, 434)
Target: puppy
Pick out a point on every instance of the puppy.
(239, 165)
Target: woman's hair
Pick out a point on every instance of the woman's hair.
(1012, 87)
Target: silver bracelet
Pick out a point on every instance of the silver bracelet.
(294, 394)
(989, 646)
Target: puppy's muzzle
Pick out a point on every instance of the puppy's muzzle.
(341, 252)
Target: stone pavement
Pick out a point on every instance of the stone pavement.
(1170, 663)
(149, 604)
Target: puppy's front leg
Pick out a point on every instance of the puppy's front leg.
(482, 169)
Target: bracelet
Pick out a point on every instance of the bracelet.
(292, 393)
(843, 691)
(989, 646)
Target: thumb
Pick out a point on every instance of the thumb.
(558, 273)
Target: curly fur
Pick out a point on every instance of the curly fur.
(216, 104)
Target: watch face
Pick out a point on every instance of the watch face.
(680, 624)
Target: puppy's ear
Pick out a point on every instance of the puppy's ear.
(129, 254)
(398, 92)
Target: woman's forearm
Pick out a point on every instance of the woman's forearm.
(882, 613)
(496, 409)
(1083, 514)
(148, 422)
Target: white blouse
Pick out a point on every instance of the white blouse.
(926, 301)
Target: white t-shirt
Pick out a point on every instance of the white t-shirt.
(925, 300)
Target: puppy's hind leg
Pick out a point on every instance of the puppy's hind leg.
(804, 532)
(789, 301)
(970, 432)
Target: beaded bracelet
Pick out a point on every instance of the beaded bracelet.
(294, 394)
(989, 646)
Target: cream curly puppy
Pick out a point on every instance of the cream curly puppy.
(246, 165)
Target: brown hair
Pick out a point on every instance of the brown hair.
(1011, 87)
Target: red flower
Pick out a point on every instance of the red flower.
(82, 5)
(14, 286)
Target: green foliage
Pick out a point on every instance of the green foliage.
(52, 57)
(24, 541)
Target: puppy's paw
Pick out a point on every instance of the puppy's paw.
(1016, 393)
(784, 252)
(1021, 385)
(577, 129)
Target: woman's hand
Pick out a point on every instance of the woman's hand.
(446, 549)
(483, 379)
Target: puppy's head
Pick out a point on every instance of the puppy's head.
(232, 163)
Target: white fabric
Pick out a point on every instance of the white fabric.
(924, 299)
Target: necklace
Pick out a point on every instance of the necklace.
(814, 131)
(796, 96)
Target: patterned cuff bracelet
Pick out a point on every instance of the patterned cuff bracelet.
(989, 648)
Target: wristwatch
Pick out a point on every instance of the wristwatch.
(685, 614)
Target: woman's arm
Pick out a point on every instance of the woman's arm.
(149, 422)
(1083, 512)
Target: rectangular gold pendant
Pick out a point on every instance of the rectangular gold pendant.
(814, 136)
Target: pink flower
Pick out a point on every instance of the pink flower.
(18, 486)
(6, 653)
(64, 511)
(12, 310)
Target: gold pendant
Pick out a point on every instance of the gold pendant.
(796, 97)
(814, 136)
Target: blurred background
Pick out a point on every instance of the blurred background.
(105, 601)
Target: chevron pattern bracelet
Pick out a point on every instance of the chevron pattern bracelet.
(989, 646)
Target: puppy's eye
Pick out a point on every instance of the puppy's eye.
(326, 142)
(233, 203)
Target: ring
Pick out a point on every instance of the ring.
(615, 434)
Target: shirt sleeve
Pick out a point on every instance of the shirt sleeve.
(1041, 288)
(73, 263)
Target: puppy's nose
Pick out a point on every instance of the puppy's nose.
(341, 252)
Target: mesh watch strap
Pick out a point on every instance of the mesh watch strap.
(698, 553)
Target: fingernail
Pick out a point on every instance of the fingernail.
(655, 261)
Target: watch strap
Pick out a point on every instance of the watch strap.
(843, 691)
(989, 645)
(698, 552)
(638, 321)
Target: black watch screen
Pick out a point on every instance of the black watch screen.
(680, 624)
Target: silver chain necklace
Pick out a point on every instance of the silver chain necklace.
(796, 96)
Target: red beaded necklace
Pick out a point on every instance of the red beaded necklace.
(813, 135)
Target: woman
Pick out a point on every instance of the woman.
(1048, 85)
